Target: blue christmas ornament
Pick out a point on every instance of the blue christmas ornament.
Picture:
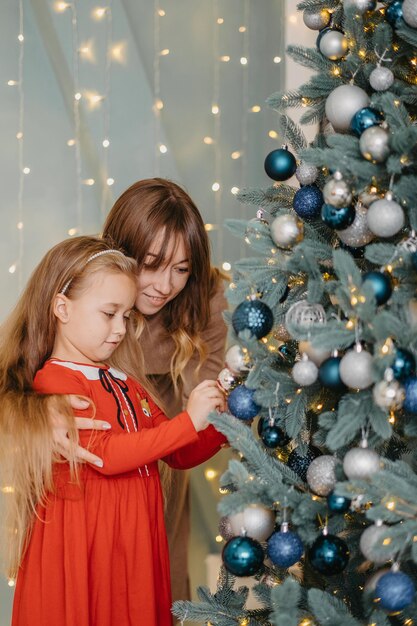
(242, 556)
(280, 164)
(307, 202)
(395, 591)
(329, 555)
(394, 13)
(272, 436)
(404, 364)
(410, 402)
(241, 403)
(337, 504)
(365, 118)
(253, 315)
(285, 548)
(381, 285)
(414, 259)
(338, 218)
(329, 374)
(300, 464)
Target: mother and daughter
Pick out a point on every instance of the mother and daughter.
(123, 323)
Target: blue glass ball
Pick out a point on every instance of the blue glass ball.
(364, 118)
(337, 504)
(338, 218)
(410, 388)
(404, 364)
(253, 315)
(329, 374)
(307, 202)
(242, 556)
(285, 548)
(414, 259)
(329, 555)
(271, 436)
(241, 403)
(394, 13)
(395, 591)
(381, 285)
(280, 164)
(300, 464)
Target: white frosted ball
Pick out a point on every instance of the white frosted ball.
(356, 369)
(361, 6)
(381, 78)
(342, 104)
(305, 372)
(333, 45)
(316, 20)
(374, 144)
(256, 520)
(316, 354)
(369, 543)
(385, 218)
(321, 476)
(235, 359)
(361, 463)
(306, 173)
(410, 13)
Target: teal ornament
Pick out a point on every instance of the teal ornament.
(307, 202)
(280, 164)
(241, 403)
(329, 555)
(288, 352)
(337, 504)
(414, 259)
(410, 402)
(300, 464)
(394, 13)
(364, 118)
(404, 364)
(337, 217)
(395, 591)
(253, 315)
(329, 374)
(285, 548)
(381, 285)
(242, 556)
(272, 436)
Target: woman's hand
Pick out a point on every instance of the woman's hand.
(204, 399)
(60, 430)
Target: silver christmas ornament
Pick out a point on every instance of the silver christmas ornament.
(306, 173)
(316, 20)
(255, 520)
(374, 144)
(333, 45)
(305, 372)
(281, 333)
(337, 192)
(370, 544)
(342, 104)
(236, 361)
(361, 463)
(356, 368)
(305, 315)
(361, 6)
(321, 476)
(358, 233)
(388, 393)
(316, 354)
(367, 197)
(381, 78)
(385, 217)
(410, 13)
(225, 529)
(226, 379)
(286, 231)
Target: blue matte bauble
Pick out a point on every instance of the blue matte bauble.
(307, 202)
(410, 388)
(394, 13)
(364, 118)
(329, 374)
(338, 218)
(300, 464)
(285, 548)
(280, 164)
(271, 436)
(381, 285)
(404, 364)
(337, 504)
(395, 591)
(414, 259)
(242, 556)
(329, 555)
(241, 403)
(253, 315)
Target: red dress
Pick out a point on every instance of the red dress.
(98, 552)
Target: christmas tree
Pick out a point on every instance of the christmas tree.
(320, 503)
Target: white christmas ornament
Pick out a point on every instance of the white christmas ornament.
(410, 13)
(374, 144)
(305, 372)
(369, 542)
(306, 173)
(356, 368)
(236, 360)
(225, 379)
(361, 6)
(385, 217)
(286, 230)
(381, 78)
(337, 192)
(361, 463)
(316, 20)
(388, 393)
(316, 354)
(333, 45)
(305, 315)
(321, 476)
(255, 520)
(342, 104)
(358, 233)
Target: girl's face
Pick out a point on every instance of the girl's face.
(157, 286)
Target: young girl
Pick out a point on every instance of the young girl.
(90, 540)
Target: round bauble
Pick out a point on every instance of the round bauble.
(337, 504)
(370, 544)
(410, 13)
(329, 374)
(255, 521)
(358, 233)
(305, 315)
(388, 394)
(337, 192)
(236, 360)
(226, 379)
(356, 369)
(280, 164)
(394, 13)
(381, 78)
(342, 104)
(307, 202)
(300, 464)
(360, 6)
(253, 315)
(272, 436)
(332, 43)
(374, 144)
(403, 365)
(372, 580)
(385, 217)
(305, 372)
(225, 529)
(286, 231)
(285, 548)
(321, 476)
(410, 401)
(365, 118)
(337, 217)
(329, 555)
(306, 173)
(395, 591)
(241, 403)
(314, 353)
(381, 285)
(361, 463)
(281, 333)
(242, 556)
(316, 20)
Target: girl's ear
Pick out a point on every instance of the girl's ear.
(61, 308)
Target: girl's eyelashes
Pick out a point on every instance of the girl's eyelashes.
(183, 270)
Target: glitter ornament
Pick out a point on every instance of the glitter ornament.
(332, 43)
(280, 164)
(410, 13)
(395, 591)
(236, 360)
(286, 231)
(410, 401)
(370, 542)
(307, 202)
(358, 233)
(226, 379)
(394, 13)
(342, 104)
(255, 521)
(388, 393)
(305, 315)
(242, 556)
(356, 368)
(374, 144)
(271, 434)
(403, 365)
(321, 476)
(381, 285)
(361, 463)
(305, 372)
(253, 315)
(337, 192)
(314, 353)
(337, 504)
(381, 78)
(365, 118)
(241, 403)
(337, 217)
(329, 555)
(385, 217)
(285, 547)
(300, 464)
(316, 20)
(225, 529)
(329, 374)
(360, 6)
(306, 173)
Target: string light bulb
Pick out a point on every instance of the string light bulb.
(208, 141)
(98, 13)
(86, 51)
(243, 61)
(60, 7)
(118, 52)
(215, 186)
(277, 59)
(215, 109)
(163, 149)
(72, 231)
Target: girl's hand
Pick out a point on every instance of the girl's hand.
(204, 399)
(60, 430)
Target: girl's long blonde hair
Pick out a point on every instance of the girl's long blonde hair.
(26, 342)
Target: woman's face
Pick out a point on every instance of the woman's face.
(158, 286)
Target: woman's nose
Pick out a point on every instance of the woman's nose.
(162, 281)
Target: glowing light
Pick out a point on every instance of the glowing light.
(20, 37)
(225, 58)
(277, 59)
(336, 71)
(220, 20)
(12, 83)
(12, 268)
(110, 181)
(26, 170)
(215, 186)
(164, 52)
(19, 135)
(19, 225)
(159, 105)
(71, 142)
(161, 13)
(163, 149)
(11, 582)
(292, 18)
(86, 51)
(210, 474)
(226, 266)
(390, 505)
(236, 154)
(215, 109)
(89, 182)
(106, 143)
(273, 134)
(7, 489)
(208, 140)
(77, 96)
(242, 29)
(319, 407)
(219, 538)
(209, 227)
(72, 231)
(98, 13)
(243, 61)
(234, 190)
(60, 7)
(94, 99)
(387, 541)
(256, 108)
(118, 52)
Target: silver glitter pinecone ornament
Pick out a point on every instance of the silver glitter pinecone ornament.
(305, 315)
(316, 354)
(333, 45)
(255, 520)
(321, 476)
(286, 231)
(225, 529)
(337, 192)
(361, 463)
(356, 368)
(361, 6)
(381, 78)
(306, 173)
(374, 144)
(370, 544)
(385, 217)
(342, 103)
(410, 13)
(358, 233)
(316, 20)
(305, 372)
(236, 360)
